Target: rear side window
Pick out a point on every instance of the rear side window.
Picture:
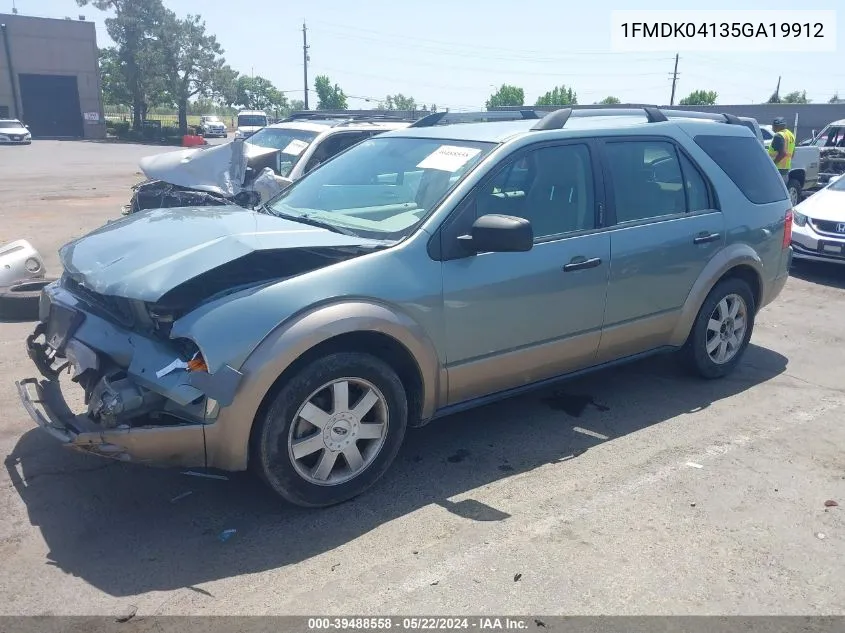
(745, 162)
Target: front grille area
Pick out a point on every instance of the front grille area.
(826, 226)
(115, 308)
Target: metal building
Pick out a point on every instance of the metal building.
(49, 76)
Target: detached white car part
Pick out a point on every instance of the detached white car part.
(19, 260)
(818, 231)
(21, 280)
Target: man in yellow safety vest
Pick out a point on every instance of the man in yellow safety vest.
(782, 147)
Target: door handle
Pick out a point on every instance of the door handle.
(704, 238)
(579, 263)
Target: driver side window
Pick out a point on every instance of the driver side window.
(551, 187)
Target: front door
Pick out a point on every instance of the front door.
(667, 228)
(512, 319)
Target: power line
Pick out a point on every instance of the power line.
(405, 38)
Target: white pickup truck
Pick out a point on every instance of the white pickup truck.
(831, 144)
(804, 175)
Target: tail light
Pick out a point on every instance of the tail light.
(787, 229)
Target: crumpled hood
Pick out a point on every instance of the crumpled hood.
(145, 255)
(827, 204)
(218, 169)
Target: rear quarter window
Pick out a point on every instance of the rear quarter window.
(747, 164)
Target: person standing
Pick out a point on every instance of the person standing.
(782, 147)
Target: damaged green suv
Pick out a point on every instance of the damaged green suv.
(421, 272)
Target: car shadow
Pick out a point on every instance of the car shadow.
(823, 273)
(127, 529)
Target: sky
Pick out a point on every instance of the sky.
(454, 53)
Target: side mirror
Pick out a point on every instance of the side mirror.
(499, 234)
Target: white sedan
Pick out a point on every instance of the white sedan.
(818, 231)
(14, 132)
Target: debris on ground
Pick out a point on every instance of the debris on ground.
(182, 496)
(225, 535)
(692, 505)
(830, 503)
(460, 455)
(694, 465)
(128, 614)
(517, 577)
(820, 535)
(436, 582)
(335, 566)
(539, 623)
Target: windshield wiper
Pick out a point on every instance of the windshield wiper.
(310, 220)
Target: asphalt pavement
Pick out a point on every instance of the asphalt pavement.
(632, 491)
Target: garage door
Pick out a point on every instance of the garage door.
(51, 105)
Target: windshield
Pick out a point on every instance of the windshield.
(212, 119)
(5, 125)
(292, 142)
(830, 137)
(383, 187)
(251, 120)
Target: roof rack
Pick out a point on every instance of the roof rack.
(557, 119)
(446, 118)
(344, 118)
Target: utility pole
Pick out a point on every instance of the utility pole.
(777, 91)
(674, 81)
(305, 62)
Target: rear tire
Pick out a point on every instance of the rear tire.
(332, 430)
(721, 331)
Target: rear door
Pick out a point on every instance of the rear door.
(666, 228)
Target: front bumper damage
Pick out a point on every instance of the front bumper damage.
(134, 412)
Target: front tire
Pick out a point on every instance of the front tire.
(722, 330)
(332, 430)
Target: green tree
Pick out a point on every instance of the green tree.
(775, 98)
(796, 96)
(297, 105)
(115, 89)
(193, 61)
(398, 102)
(329, 97)
(560, 95)
(700, 97)
(835, 98)
(610, 101)
(258, 93)
(506, 96)
(224, 86)
(134, 28)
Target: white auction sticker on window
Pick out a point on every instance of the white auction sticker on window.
(295, 147)
(448, 158)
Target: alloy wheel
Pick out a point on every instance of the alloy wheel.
(338, 431)
(726, 329)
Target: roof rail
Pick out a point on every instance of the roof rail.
(345, 117)
(445, 118)
(557, 119)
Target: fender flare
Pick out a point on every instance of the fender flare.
(227, 439)
(799, 174)
(724, 261)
